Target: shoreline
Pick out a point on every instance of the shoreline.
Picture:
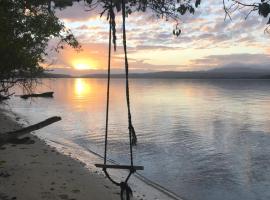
(67, 167)
(38, 171)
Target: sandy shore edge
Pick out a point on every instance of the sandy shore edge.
(37, 171)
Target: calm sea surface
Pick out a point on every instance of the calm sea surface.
(201, 139)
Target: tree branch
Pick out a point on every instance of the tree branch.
(9, 136)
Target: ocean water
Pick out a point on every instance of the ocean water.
(198, 139)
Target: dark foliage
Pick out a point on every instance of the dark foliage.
(26, 27)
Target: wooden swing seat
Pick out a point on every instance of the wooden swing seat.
(119, 167)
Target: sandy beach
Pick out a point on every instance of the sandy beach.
(37, 171)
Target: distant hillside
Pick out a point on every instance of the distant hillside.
(218, 73)
(52, 75)
(240, 70)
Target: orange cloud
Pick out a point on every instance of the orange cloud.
(91, 56)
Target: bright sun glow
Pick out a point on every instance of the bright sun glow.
(82, 87)
(82, 65)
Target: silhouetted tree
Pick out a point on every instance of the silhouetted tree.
(262, 7)
(25, 29)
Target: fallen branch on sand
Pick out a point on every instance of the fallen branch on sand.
(9, 137)
(45, 94)
(2, 97)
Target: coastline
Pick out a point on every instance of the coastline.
(48, 170)
(37, 171)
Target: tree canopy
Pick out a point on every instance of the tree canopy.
(26, 27)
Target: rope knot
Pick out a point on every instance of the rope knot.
(132, 170)
(125, 189)
(133, 135)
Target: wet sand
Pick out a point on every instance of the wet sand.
(37, 171)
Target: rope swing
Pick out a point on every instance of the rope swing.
(125, 188)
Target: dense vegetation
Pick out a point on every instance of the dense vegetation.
(26, 27)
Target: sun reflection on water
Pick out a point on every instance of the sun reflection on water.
(82, 88)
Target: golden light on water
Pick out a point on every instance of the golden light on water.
(81, 87)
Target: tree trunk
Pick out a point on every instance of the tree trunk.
(13, 135)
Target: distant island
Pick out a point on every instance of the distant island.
(217, 73)
(53, 75)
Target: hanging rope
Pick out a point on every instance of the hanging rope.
(125, 189)
(132, 133)
(108, 83)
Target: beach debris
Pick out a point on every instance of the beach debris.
(2, 98)
(45, 94)
(4, 174)
(13, 136)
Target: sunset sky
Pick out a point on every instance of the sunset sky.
(207, 41)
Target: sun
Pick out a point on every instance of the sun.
(82, 65)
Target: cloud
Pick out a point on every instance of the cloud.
(75, 13)
(206, 41)
(97, 54)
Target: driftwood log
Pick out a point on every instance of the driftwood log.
(2, 98)
(9, 137)
(45, 94)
